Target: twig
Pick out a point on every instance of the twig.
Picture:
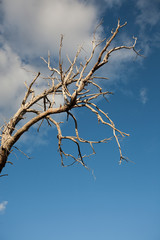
(22, 152)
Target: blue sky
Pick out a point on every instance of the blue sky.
(41, 200)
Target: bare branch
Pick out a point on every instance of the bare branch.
(60, 60)
(29, 89)
(79, 87)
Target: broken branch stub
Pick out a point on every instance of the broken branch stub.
(73, 85)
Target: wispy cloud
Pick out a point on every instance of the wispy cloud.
(149, 12)
(3, 206)
(143, 95)
(148, 19)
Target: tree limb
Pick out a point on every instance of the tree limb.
(73, 85)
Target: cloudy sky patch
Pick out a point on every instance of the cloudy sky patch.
(39, 24)
(143, 95)
(149, 12)
(3, 206)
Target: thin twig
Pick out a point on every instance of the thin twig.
(22, 152)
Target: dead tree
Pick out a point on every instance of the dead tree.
(74, 85)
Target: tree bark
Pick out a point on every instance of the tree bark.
(3, 157)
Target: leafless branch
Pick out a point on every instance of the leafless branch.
(73, 85)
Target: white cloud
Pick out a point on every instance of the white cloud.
(3, 206)
(13, 74)
(143, 95)
(34, 26)
(12, 77)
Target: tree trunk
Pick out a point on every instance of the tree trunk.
(3, 157)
